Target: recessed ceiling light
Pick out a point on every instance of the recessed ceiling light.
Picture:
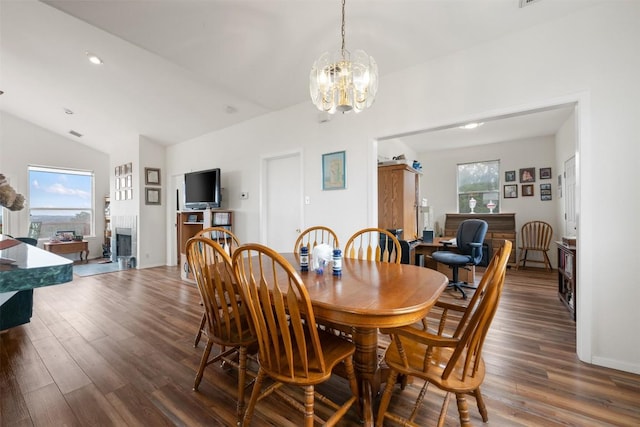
(471, 125)
(230, 109)
(94, 59)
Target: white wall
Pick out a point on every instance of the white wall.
(565, 149)
(153, 218)
(590, 56)
(23, 144)
(439, 180)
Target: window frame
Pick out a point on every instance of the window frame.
(481, 207)
(66, 171)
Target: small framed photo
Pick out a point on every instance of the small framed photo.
(527, 190)
(545, 191)
(192, 218)
(334, 171)
(510, 176)
(128, 169)
(527, 175)
(152, 176)
(118, 171)
(151, 196)
(511, 190)
(545, 173)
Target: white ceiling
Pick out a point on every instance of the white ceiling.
(172, 68)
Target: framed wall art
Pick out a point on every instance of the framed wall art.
(545, 191)
(152, 176)
(527, 175)
(151, 196)
(545, 173)
(527, 190)
(334, 171)
(511, 191)
(510, 176)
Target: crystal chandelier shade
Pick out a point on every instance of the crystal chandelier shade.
(343, 81)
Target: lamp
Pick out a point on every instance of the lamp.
(472, 204)
(344, 81)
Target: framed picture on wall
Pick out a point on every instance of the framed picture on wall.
(527, 190)
(334, 171)
(527, 175)
(545, 191)
(152, 196)
(152, 176)
(545, 173)
(510, 176)
(511, 191)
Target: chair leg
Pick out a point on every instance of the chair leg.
(246, 421)
(481, 406)
(309, 398)
(203, 364)
(386, 397)
(443, 411)
(547, 261)
(242, 373)
(200, 329)
(463, 410)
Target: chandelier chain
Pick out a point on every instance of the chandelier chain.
(343, 32)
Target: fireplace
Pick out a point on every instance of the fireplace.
(124, 241)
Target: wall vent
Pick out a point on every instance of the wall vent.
(524, 3)
(74, 133)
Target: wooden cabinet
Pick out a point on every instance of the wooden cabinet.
(398, 192)
(502, 226)
(567, 284)
(189, 223)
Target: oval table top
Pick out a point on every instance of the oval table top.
(372, 294)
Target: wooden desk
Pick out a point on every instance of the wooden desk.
(371, 295)
(69, 248)
(427, 249)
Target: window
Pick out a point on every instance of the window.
(480, 181)
(62, 200)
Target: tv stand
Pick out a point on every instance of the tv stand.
(189, 222)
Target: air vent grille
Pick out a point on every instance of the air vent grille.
(74, 133)
(524, 3)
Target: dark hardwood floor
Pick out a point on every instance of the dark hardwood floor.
(117, 349)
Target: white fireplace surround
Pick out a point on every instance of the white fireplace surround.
(125, 222)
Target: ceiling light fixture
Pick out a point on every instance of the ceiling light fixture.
(343, 82)
(472, 125)
(94, 59)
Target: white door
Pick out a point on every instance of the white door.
(281, 201)
(570, 196)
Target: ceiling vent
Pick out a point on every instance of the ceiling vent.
(524, 3)
(74, 133)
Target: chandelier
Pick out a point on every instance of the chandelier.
(344, 81)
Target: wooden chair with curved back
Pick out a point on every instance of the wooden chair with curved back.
(535, 236)
(314, 236)
(227, 323)
(292, 350)
(450, 361)
(229, 243)
(374, 244)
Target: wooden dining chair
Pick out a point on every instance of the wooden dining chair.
(314, 236)
(227, 322)
(292, 350)
(452, 362)
(229, 243)
(374, 244)
(535, 236)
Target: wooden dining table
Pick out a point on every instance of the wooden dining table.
(366, 297)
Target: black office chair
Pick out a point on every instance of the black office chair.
(469, 240)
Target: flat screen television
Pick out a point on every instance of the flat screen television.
(202, 189)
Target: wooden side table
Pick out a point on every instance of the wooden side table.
(69, 248)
